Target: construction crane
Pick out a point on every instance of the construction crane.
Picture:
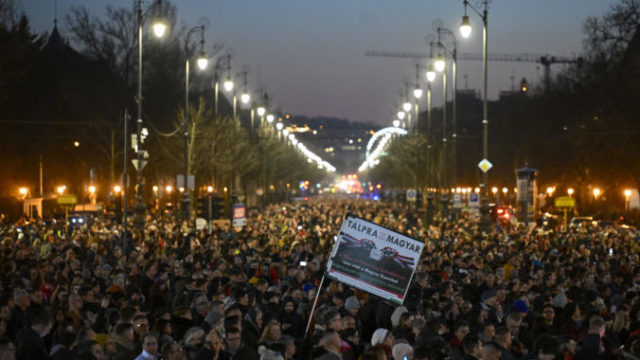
(543, 59)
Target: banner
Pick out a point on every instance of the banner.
(374, 259)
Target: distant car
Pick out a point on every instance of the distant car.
(582, 221)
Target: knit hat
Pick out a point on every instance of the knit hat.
(395, 317)
(560, 300)
(378, 336)
(399, 350)
(488, 295)
(213, 318)
(520, 306)
(352, 303)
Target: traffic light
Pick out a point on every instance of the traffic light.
(217, 207)
(203, 208)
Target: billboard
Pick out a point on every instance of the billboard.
(374, 259)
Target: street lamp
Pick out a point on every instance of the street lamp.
(596, 193)
(159, 29)
(570, 192)
(401, 115)
(270, 118)
(23, 191)
(465, 30)
(454, 74)
(202, 64)
(627, 196)
(60, 189)
(228, 83)
(396, 123)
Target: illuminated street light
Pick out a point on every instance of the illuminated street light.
(465, 27)
(168, 189)
(570, 191)
(261, 110)
(60, 189)
(76, 143)
(159, 29)
(494, 190)
(209, 189)
(439, 63)
(550, 190)
(202, 61)
(228, 84)
(465, 30)
(431, 74)
(417, 93)
(155, 189)
(596, 193)
(181, 189)
(505, 190)
(401, 115)
(23, 191)
(116, 189)
(396, 123)
(627, 195)
(279, 126)
(270, 118)
(245, 97)
(92, 189)
(406, 106)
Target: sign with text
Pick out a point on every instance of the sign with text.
(565, 202)
(374, 259)
(239, 215)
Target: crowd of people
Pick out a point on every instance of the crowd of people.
(174, 292)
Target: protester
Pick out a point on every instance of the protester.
(515, 293)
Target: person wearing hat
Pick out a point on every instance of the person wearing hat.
(489, 303)
(383, 338)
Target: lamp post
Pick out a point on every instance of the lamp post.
(441, 66)
(627, 198)
(159, 29)
(202, 64)
(465, 30)
(454, 57)
(431, 76)
(417, 94)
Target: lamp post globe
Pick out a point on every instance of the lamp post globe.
(417, 93)
(439, 63)
(245, 98)
(465, 27)
(406, 106)
(270, 118)
(431, 74)
(202, 61)
(159, 28)
(228, 84)
(261, 111)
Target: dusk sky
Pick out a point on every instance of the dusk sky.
(309, 54)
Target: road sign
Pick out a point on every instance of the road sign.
(565, 202)
(191, 181)
(411, 195)
(239, 215)
(485, 165)
(474, 200)
(457, 201)
(68, 199)
(137, 166)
